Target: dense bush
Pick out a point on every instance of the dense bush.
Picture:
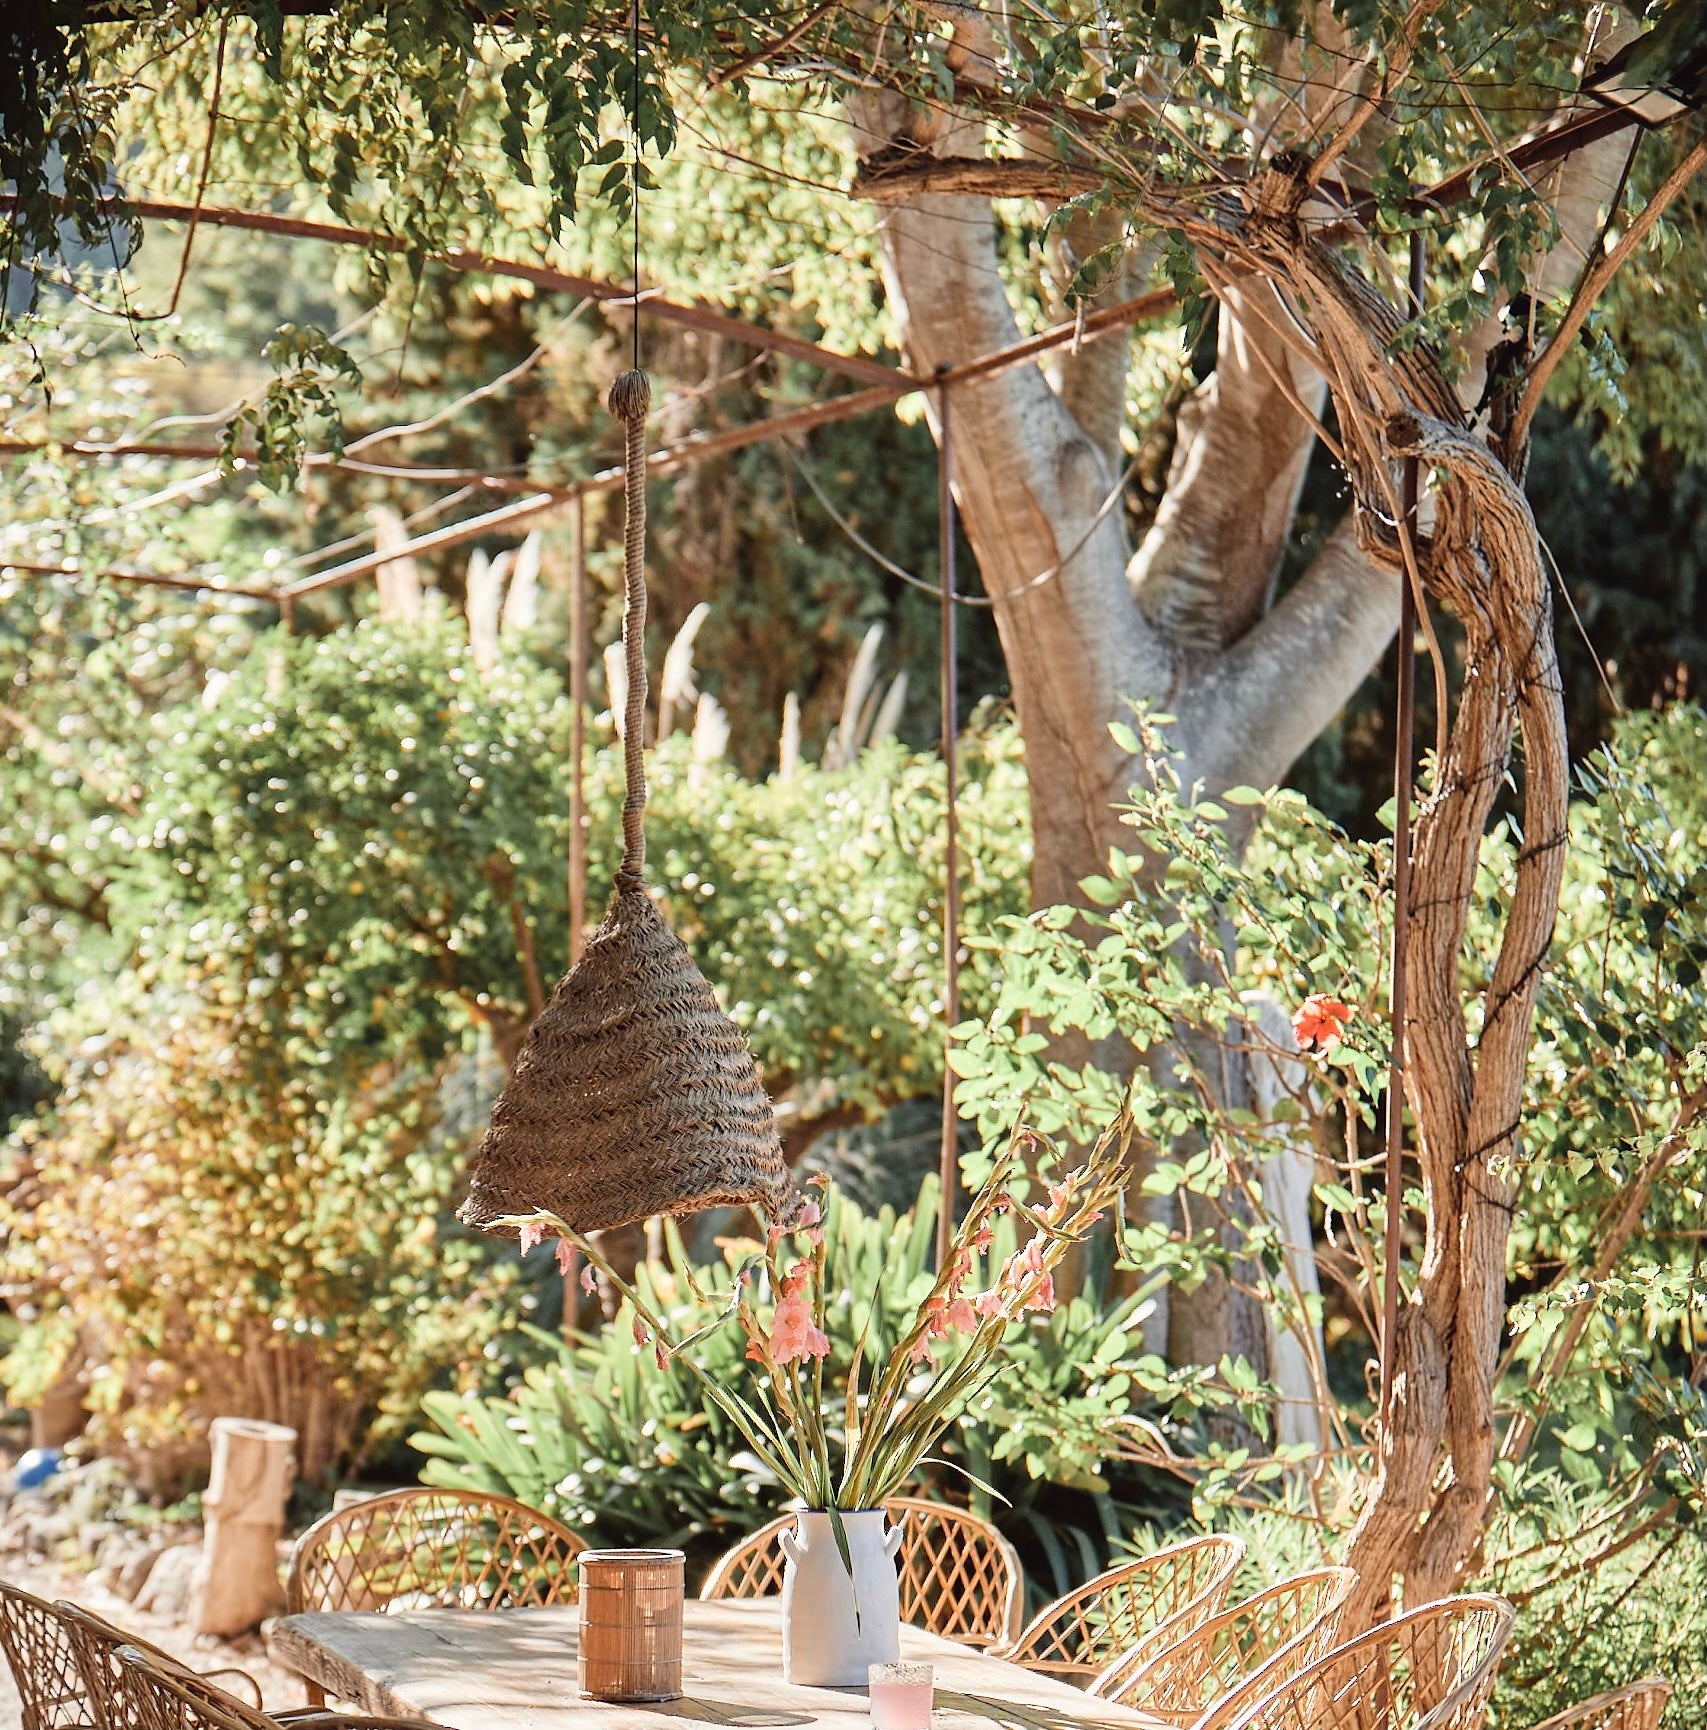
(198, 1237)
(339, 859)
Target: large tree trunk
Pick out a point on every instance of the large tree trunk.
(1190, 622)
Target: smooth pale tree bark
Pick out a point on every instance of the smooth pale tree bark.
(1190, 624)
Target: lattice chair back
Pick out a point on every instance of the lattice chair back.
(420, 1549)
(1430, 1669)
(1131, 1611)
(959, 1576)
(97, 1644)
(153, 1695)
(1637, 1706)
(753, 1567)
(1204, 1679)
(51, 1689)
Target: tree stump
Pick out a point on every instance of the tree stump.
(236, 1584)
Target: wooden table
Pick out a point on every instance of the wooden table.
(515, 1670)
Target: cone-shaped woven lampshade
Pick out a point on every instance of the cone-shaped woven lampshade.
(634, 1094)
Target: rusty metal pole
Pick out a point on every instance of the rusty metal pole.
(949, 1169)
(578, 732)
(568, 1325)
(1404, 757)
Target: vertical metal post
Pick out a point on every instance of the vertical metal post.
(1404, 755)
(577, 819)
(950, 1164)
(578, 732)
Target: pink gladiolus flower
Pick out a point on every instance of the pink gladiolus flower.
(1059, 1196)
(1031, 1268)
(565, 1253)
(531, 1236)
(988, 1303)
(1025, 1267)
(983, 1238)
(961, 1316)
(641, 1336)
(589, 1280)
(794, 1335)
(663, 1361)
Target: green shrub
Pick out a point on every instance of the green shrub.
(199, 1238)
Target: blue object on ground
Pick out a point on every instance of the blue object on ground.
(35, 1467)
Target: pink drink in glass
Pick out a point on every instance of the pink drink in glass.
(900, 1696)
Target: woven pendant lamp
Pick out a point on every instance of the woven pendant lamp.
(634, 1094)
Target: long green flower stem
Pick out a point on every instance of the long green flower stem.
(884, 1445)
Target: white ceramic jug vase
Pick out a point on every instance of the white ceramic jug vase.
(824, 1644)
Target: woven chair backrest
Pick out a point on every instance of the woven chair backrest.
(959, 1576)
(1236, 1655)
(1430, 1669)
(1637, 1706)
(37, 1644)
(97, 1644)
(419, 1549)
(1132, 1611)
(150, 1695)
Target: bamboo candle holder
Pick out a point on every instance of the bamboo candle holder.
(631, 1624)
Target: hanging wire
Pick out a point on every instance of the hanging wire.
(1115, 495)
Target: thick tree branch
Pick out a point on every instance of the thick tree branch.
(1274, 690)
(1594, 284)
(894, 178)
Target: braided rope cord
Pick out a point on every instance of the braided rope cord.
(630, 399)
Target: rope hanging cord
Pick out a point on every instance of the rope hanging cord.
(630, 401)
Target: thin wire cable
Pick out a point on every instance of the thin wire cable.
(1114, 497)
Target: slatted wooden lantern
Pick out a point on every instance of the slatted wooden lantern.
(634, 1093)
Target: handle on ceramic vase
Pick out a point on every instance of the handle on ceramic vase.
(892, 1542)
(792, 1548)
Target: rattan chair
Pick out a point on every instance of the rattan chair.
(959, 1576)
(426, 1549)
(1638, 1706)
(1130, 1612)
(97, 1643)
(44, 1665)
(1205, 1679)
(1430, 1669)
(148, 1695)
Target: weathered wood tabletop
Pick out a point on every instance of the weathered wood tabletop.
(515, 1670)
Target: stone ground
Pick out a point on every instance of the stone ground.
(50, 1580)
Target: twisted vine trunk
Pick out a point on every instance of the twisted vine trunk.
(1423, 1521)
